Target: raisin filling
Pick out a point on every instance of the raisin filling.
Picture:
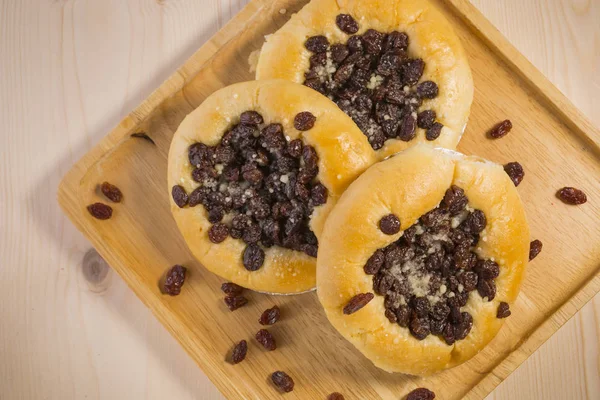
(258, 186)
(373, 79)
(428, 274)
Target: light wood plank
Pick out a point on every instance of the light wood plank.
(70, 71)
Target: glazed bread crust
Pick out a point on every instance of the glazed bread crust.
(431, 38)
(409, 185)
(343, 152)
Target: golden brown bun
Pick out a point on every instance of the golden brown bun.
(409, 185)
(431, 38)
(343, 152)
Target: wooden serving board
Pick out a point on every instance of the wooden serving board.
(555, 143)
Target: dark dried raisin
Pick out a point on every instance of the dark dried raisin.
(270, 316)
(455, 200)
(375, 262)
(357, 302)
(174, 280)
(180, 196)
(218, 232)
(304, 121)
(570, 195)
(317, 44)
(111, 192)
(503, 310)
(335, 396)
(251, 118)
(235, 302)
(421, 394)
(346, 23)
(267, 340)
(501, 129)
(239, 352)
(535, 247)
(100, 211)
(427, 90)
(282, 381)
(434, 131)
(389, 224)
(476, 221)
(253, 257)
(231, 289)
(515, 172)
(425, 119)
(486, 289)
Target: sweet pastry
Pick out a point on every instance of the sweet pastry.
(396, 67)
(422, 257)
(253, 172)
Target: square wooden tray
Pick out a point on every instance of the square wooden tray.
(555, 143)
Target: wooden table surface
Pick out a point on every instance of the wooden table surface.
(69, 71)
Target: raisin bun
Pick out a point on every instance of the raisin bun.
(423, 255)
(253, 173)
(396, 67)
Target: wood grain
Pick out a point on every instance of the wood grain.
(66, 63)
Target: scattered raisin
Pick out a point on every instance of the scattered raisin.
(503, 310)
(180, 196)
(267, 340)
(421, 394)
(304, 121)
(434, 131)
(282, 381)
(231, 289)
(251, 118)
(253, 257)
(425, 119)
(270, 316)
(335, 396)
(346, 23)
(427, 90)
(501, 129)
(515, 172)
(570, 195)
(535, 248)
(317, 44)
(174, 280)
(389, 224)
(407, 128)
(235, 302)
(111, 192)
(239, 352)
(218, 232)
(357, 302)
(100, 210)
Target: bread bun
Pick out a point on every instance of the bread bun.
(431, 38)
(343, 153)
(409, 185)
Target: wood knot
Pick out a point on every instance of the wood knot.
(95, 271)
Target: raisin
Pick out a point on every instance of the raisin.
(535, 248)
(235, 302)
(218, 232)
(391, 316)
(486, 288)
(469, 280)
(100, 211)
(501, 129)
(421, 306)
(253, 257)
(403, 316)
(515, 172)
(294, 148)
(317, 44)
(425, 119)
(239, 352)
(455, 200)
(309, 155)
(375, 262)
(343, 74)
(267, 340)
(448, 334)
(427, 90)
(335, 396)
(389, 224)
(440, 311)
(357, 302)
(270, 316)
(252, 233)
(339, 52)
(487, 269)
(419, 327)
(412, 70)
(355, 44)
(200, 154)
(304, 121)
(389, 63)
(318, 59)
(111, 192)
(346, 23)
(251, 118)
(282, 381)
(464, 327)
(215, 215)
(434, 131)
(407, 128)
(174, 280)
(318, 195)
(396, 40)
(180, 196)
(273, 138)
(198, 196)
(231, 289)
(421, 394)
(476, 221)
(503, 310)
(373, 41)
(570, 195)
